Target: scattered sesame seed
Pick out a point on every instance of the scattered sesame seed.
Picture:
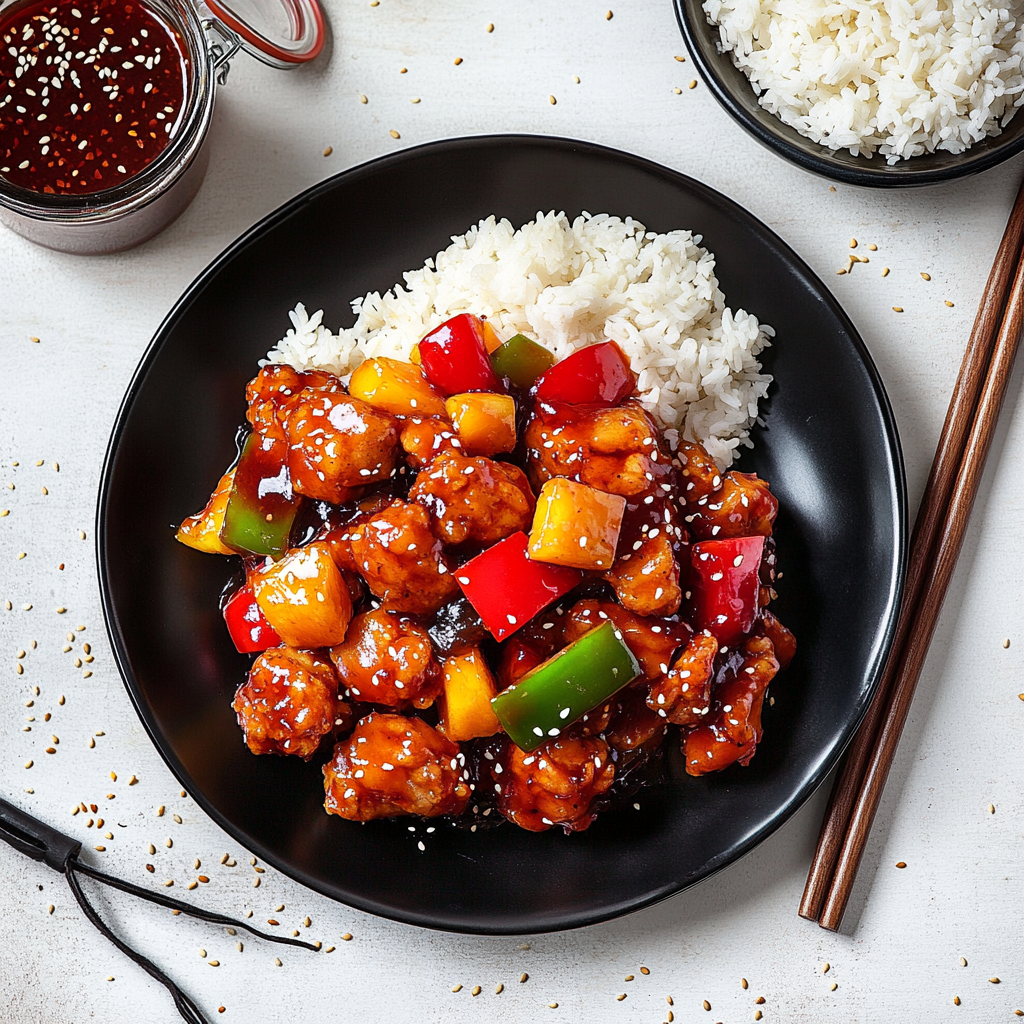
(553, 1006)
(552, 100)
(620, 997)
(1006, 643)
(608, 16)
(524, 977)
(956, 1000)
(394, 134)
(363, 99)
(456, 988)
(160, 811)
(645, 970)
(759, 1001)
(668, 999)
(328, 151)
(490, 26)
(347, 937)
(901, 863)
(707, 1005)
(693, 84)
(475, 991)
(834, 986)
(948, 303)
(677, 90)
(499, 989)
(457, 61)
(49, 909)
(826, 968)
(277, 961)
(897, 309)
(994, 981)
(927, 277)
(885, 271)
(35, 341)
(682, 60)
(757, 1015)
(743, 982)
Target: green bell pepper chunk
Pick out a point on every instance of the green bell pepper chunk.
(261, 505)
(567, 686)
(522, 361)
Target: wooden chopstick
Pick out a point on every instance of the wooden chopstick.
(823, 880)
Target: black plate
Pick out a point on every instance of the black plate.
(830, 450)
(733, 90)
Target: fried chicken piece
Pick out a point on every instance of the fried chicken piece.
(288, 703)
(387, 659)
(743, 507)
(474, 498)
(646, 580)
(615, 450)
(732, 730)
(337, 444)
(633, 725)
(554, 784)
(652, 641)
(273, 387)
(425, 437)
(683, 694)
(392, 765)
(398, 556)
(782, 639)
(701, 476)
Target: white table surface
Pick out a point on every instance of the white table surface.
(899, 956)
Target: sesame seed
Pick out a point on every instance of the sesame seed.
(523, 978)
(994, 981)
(645, 970)
(1006, 643)
(853, 243)
(475, 990)
(328, 151)
(707, 1005)
(826, 968)
(885, 271)
(948, 303)
(277, 962)
(682, 60)
(620, 997)
(457, 61)
(499, 989)
(363, 99)
(394, 134)
(963, 961)
(608, 16)
(956, 1000)
(693, 84)
(759, 1001)
(347, 937)
(553, 1006)
(833, 986)
(926, 277)
(456, 988)
(897, 309)
(901, 863)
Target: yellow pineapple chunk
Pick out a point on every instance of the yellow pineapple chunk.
(484, 422)
(202, 531)
(466, 703)
(304, 597)
(576, 525)
(395, 387)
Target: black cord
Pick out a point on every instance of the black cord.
(188, 1010)
(166, 901)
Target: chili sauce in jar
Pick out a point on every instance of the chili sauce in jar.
(92, 92)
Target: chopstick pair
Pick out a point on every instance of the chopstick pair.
(934, 548)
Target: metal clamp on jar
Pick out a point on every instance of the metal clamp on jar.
(105, 107)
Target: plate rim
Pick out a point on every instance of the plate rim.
(897, 489)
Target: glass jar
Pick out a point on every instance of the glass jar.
(283, 33)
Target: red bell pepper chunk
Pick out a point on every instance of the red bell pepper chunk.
(725, 586)
(454, 357)
(507, 588)
(595, 375)
(246, 623)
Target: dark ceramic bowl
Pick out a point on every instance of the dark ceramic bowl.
(733, 90)
(829, 448)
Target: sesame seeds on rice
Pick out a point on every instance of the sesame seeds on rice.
(568, 284)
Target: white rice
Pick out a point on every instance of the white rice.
(903, 77)
(566, 285)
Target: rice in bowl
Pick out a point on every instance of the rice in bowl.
(567, 284)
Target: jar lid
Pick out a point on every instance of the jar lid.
(282, 33)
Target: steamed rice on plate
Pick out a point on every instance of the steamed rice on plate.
(897, 77)
(567, 284)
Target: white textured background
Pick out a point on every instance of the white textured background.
(899, 957)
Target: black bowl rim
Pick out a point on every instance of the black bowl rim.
(454, 145)
(880, 175)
